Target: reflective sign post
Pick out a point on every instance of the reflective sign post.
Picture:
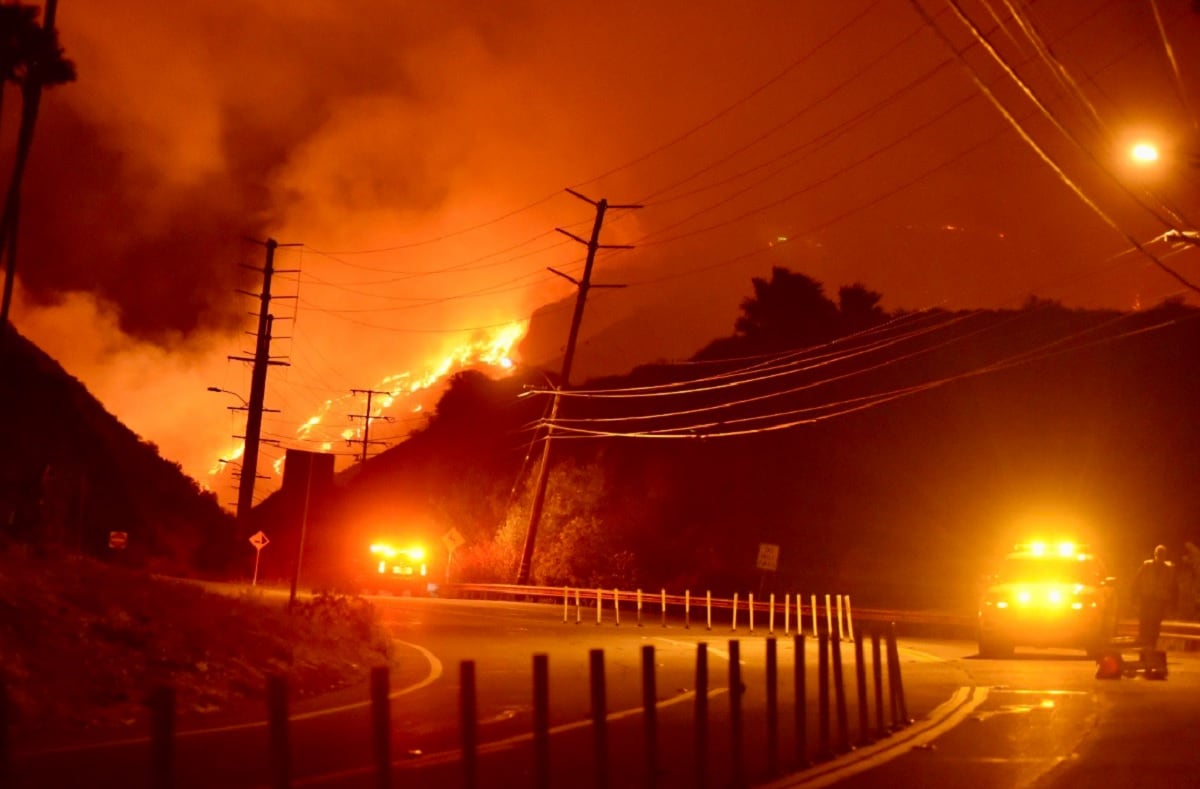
(259, 541)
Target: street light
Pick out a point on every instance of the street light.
(241, 407)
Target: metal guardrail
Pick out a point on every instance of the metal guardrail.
(823, 606)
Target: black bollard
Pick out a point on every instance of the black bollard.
(839, 696)
(700, 722)
(772, 709)
(162, 737)
(824, 733)
(650, 715)
(895, 681)
(277, 722)
(736, 734)
(541, 721)
(468, 723)
(599, 719)
(860, 686)
(799, 681)
(381, 726)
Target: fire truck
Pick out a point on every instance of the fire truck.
(392, 569)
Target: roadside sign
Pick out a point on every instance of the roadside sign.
(118, 539)
(453, 539)
(259, 541)
(768, 556)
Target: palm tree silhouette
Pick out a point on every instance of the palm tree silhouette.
(31, 59)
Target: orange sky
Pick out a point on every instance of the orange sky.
(419, 152)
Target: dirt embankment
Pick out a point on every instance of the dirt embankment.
(82, 643)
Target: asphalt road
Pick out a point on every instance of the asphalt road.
(1041, 719)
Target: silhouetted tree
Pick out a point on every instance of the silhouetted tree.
(788, 310)
(859, 308)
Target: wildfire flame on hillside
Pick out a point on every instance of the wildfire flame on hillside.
(491, 348)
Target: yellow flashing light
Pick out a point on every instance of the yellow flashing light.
(416, 553)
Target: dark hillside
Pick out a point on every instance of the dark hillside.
(71, 473)
(892, 464)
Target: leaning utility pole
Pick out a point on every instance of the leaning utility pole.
(258, 383)
(366, 418)
(585, 284)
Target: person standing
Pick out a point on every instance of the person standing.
(1154, 592)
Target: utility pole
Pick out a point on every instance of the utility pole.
(366, 418)
(258, 383)
(583, 285)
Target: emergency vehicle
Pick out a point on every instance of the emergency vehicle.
(1048, 595)
(389, 568)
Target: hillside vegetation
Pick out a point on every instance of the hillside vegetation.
(892, 456)
(83, 642)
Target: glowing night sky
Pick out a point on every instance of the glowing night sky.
(419, 152)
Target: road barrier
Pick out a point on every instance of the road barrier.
(836, 612)
(162, 701)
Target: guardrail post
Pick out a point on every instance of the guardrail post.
(650, 715)
(841, 629)
(772, 709)
(800, 706)
(468, 721)
(860, 686)
(599, 604)
(839, 695)
(708, 607)
(896, 681)
(736, 733)
(824, 732)
(813, 600)
(877, 675)
(849, 620)
(687, 609)
(700, 722)
(639, 607)
(566, 604)
(277, 722)
(733, 627)
(381, 726)
(617, 607)
(829, 615)
(599, 719)
(541, 721)
(578, 608)
(664, 607)
(750, 605)
(787, 603)
(771, 614)
(162, 738)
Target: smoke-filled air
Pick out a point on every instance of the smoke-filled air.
(411, 159)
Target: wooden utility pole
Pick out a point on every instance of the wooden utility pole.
(46, 69)
(583, 285)
(258, 384)
(366, 417)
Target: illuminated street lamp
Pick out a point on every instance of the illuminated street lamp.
(241, 407)
(1144, 153)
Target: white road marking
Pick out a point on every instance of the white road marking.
(945, 717)
(435, 671)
